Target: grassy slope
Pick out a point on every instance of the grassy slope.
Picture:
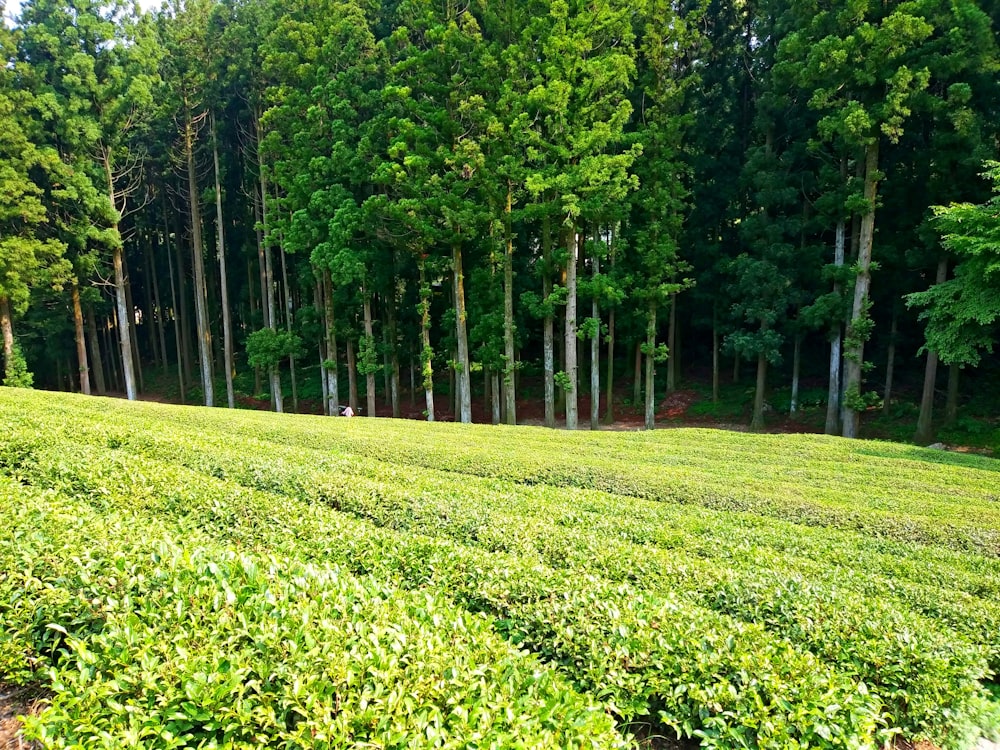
(895, 547)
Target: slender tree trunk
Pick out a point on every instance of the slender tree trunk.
(181, 313)
(672, 346)
(81, 344)
(925, 421)
(393, 352)
(715, 359)
(7, 330)
(151, 324)
(757, 420)
(123, 329)
(370, 351)
(266, 298)
(570, 331)
(464, 405)
(413, 382)
(637, 375)
(257, 380)
(891, 362)
(161, 318)
(288, 325)
(650, 411)
(426, 352)
(796, 367)
(951, 405)
(352, 376)
(595, 357)
(197, 253)
(495, 405)
(833, 406)
(854, 354)
(548, 325)
(97, 367)
(114, 350)
(178, 329)
(609, 377)
(509, 395)
(133, 332)
(227, 323)
(330, 368)
(267, 282)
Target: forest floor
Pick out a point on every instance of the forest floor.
(16, 702)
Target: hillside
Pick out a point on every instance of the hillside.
(184, 577)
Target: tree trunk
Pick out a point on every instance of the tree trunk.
(650, 411)
(114, 350)
(570, 331)
(609, 377)
(267, 282)
(248, 325)
(464, 405)
(854, 353)
(495, 399)
(352, 376)
(510, 413)
(123, 329)
(393, 351)
(595, 357)
(925, 421)
(330, 367)
(833, 405)
(637, 375)
(97, 368)
(152, 323)
(133, 332)
(426, 353)
(181, 313)
(197, 253)
(227, 323)
(288, 326)
(757, 420)
(548, 325)
(178, 331)
(796, 368)
(7, 330)
(81, 344)
(891, 362)
(161, 318)
(369, 354)
(672, 346)
(951, 405)
(715, 359)
(413, 382)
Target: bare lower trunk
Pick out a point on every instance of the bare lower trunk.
(650, 412)
(393, 352)
(97, 367)
(133, 333)
(352, 376)
(637, 375)
(153, 317)
(369, 361)
(81, 344)
(715, 361)
(570, 331)
(197, 252)
(426, 353)
(925, 420)
(672, 346)
(7, 331)
(796, 367)
(548, 326)
(464, 405)
(161, 317)
(288, 327)
(510, 407)
(609, 377)
(951, 405)
(113, 347)
(227, 323)
(178, 333)
(890, 364)
(330, 366)
(757, 421)
(495, 399)
(595, 359)
(854, 354)
(124, 333)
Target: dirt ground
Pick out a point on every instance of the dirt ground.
(16, 702)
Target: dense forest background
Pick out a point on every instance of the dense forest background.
(579, 205)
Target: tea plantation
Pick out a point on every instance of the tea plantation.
(183, 577)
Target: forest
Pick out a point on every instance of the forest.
(575, 205)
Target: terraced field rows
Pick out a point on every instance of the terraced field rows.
(684, 589)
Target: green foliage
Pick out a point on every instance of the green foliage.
(267, 348)
(652, 570)
(17, 374)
